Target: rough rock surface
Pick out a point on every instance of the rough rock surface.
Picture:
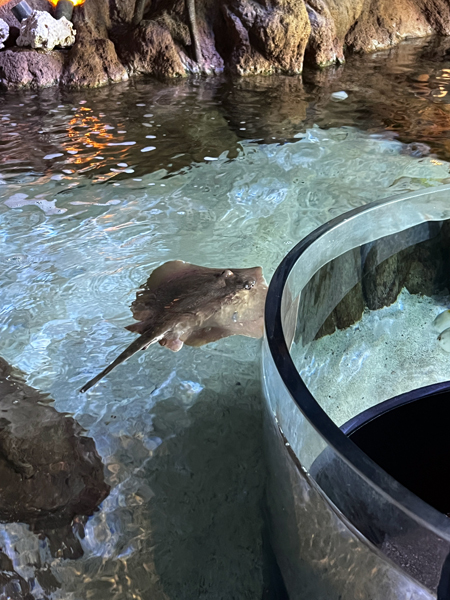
(41, 30)
(93, 63)
(4, 32)
(172, 38)
(12, 585)
(152, 50)
(33, 68)
(369, 25)
(269, 38)
(49, 472)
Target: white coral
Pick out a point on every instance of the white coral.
(4, 32)
(41, 30)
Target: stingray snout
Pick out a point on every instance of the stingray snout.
(249, 284)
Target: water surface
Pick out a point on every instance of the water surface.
(99, 187)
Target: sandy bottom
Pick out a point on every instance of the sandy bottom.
(388, 352)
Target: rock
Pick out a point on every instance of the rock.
(267, 39)
(382, 24)
(50, 473)
(4, 32)
(425, 267)
(93, 63)
(332, 298)
(348, 312)
(247, 37)
(339, 96)
(7, 15)
(414, 258)
(324, 47)
(369, 25)
(383, 281)
(30, 68)
(12, 585)
(178, 23)
(151, 51)
(243, 58)
(14, 33)
(41, 30)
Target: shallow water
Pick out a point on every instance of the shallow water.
(400, 337)
(85, 215)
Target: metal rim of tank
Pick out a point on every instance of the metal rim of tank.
(421, 511)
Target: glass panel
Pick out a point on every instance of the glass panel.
(355, 303)
(365, 321)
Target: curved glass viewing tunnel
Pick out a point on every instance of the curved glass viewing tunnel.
(356, 376)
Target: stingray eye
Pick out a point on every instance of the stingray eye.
(248, 285)
(227, 273)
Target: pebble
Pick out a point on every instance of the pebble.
(339, 95)
(442, 321)
(444, 340)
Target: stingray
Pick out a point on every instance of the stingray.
(183, 303)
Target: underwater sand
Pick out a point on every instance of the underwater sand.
(388, 352)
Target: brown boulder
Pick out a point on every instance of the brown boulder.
(324, 47)
(369, 25)
(267, 39)
(93, 63)
(150, 49)
(243, 58)
(384, 23)
(30, 68)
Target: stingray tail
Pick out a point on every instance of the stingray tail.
(139, 344)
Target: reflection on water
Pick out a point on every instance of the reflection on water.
(86, 214)
(134, 128)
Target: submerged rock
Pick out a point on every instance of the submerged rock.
(12, 585)
(4, 32)
(50, 473)
(41, 30)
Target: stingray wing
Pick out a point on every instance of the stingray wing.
(164, 273)
(203, 336)
(150, 298)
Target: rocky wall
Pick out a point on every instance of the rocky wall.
(172, 38)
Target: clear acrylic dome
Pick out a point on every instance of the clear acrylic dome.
(349, 325)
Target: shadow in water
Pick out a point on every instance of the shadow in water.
(205, 516)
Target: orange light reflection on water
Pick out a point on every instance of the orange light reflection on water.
(96, 137)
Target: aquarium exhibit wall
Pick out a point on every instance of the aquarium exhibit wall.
(350, 323)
